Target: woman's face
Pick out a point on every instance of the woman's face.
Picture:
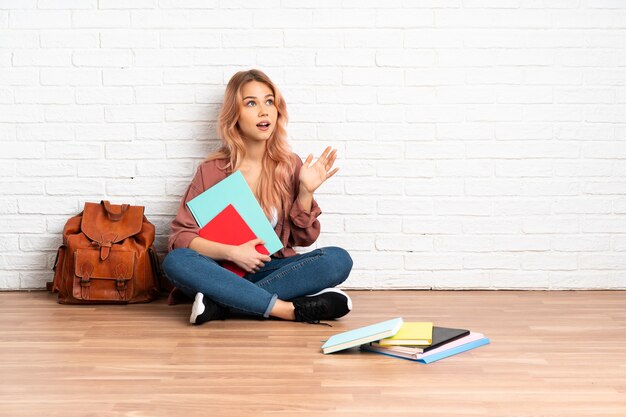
(257, 112)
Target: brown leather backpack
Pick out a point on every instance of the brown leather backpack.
(107, 257)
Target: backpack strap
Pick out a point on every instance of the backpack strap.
(106, 226)
(104, 244)
(114, 214)
(53, 285)
(86, 269)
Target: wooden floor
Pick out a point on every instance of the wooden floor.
(551, 354)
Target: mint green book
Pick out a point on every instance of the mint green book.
(235, 190)
(362, 335)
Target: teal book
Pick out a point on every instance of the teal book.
(362, 335)
(235, 190)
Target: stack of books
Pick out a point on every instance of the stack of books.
(417, 341)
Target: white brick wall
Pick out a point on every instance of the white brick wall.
(482, 144)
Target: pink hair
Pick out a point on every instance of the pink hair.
(274, 186)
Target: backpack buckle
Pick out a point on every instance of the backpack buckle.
(120, 284)
(120, 281)
(86, 269)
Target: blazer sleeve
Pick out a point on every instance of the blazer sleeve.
(184, 227)
(304, 227)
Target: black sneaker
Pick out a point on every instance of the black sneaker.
(204, 309)
(328, 304)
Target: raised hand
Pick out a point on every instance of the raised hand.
(312, 175)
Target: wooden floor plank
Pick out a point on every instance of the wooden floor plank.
(551, 354)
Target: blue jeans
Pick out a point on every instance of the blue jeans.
(280, 278)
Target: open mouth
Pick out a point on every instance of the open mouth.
(263, 125)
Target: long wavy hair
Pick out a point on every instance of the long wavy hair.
(274, 185)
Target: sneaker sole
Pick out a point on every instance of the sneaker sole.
(336, 290)
(197, 308)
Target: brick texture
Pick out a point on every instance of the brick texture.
(481, 145)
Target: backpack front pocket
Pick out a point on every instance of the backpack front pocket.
(108, 280)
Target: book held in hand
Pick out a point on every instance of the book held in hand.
(229, 228)
(411, 333)
(234, 190)
(357, 337)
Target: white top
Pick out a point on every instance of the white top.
(274, 219)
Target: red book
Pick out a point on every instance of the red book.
(230, 228)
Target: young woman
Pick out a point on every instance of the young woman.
(286, 285)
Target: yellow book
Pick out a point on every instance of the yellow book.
(415, 333)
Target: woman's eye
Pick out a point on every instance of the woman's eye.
(270, 102)
(250, 104)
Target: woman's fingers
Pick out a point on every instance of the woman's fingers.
(331, 159)
(255, 267)
(259, 263)
(331, 173)
(327, 157)
(257, 242)
(324, 155)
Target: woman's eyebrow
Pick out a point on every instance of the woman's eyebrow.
(266, 96)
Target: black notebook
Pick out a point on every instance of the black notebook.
(441, 336)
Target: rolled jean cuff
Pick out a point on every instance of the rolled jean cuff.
(270, 306)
